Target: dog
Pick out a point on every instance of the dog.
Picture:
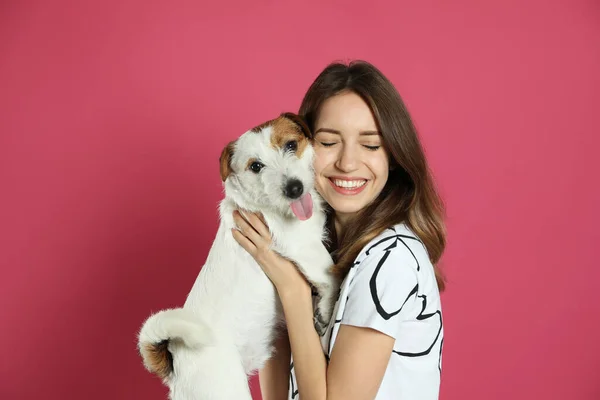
(225, 330)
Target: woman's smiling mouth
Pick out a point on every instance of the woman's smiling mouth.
(348, 186)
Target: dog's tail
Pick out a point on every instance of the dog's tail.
(160, 329)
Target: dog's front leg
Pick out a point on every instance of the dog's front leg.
(315, 264)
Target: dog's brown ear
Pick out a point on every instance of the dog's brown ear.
(298, 120)
(225, 160)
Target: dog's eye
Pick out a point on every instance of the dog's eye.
(292, 145)
(256, 167)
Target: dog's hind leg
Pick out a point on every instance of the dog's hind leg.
(211, 373)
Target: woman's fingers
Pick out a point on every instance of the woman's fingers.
(257, 233)
(247, 229)
(244, 241)
(251, 224)
(259, 225)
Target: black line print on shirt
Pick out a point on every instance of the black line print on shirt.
(373, 286)
(391, 246)
(385, 314)
(422, 317)
(293, 381)
(411, 253)
(356, 263)
(397, 236)
(333, 330)
(336, 322)
(440, 359)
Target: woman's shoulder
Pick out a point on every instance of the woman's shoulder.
(400, 248)
(397, 240)
(395, 257)
(390, 277)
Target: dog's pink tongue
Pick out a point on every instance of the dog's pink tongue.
(303, 207)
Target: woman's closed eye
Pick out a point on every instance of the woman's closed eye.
(327, 144)
(372, 147)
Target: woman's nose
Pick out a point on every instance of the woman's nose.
(347, 159)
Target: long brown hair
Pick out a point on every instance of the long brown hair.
(409, 195)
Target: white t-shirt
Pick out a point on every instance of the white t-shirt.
(392, 288)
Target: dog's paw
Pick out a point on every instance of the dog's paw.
(321, 323)
(323, 314)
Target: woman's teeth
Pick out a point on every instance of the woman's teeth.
(349, 184)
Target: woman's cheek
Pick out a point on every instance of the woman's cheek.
(318, 162)
(318, 166)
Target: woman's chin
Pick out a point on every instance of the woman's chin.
(347, 207)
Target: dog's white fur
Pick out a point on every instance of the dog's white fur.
(226, 328)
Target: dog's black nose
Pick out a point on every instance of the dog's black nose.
(293, 189)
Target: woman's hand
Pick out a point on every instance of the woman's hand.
(254, 236)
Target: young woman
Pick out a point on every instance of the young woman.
(387, 234)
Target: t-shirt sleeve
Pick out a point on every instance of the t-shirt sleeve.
(383, 291)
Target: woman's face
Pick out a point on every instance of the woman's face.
(351, 164)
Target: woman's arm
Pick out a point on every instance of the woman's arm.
(360, 355)
(274, 377)
(310, 365)
(358, 361)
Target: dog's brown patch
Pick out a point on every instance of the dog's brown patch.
(262, 126)
(249, 163)
(159, 359)
(225, 161)
(290, 127)
(298, 120)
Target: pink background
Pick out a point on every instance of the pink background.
(113, 115)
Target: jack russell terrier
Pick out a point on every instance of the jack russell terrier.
(225, 330)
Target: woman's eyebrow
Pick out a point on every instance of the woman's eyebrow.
(336, 132)
(369, 133)
(329, 130)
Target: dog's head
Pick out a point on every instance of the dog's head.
(270, 167)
